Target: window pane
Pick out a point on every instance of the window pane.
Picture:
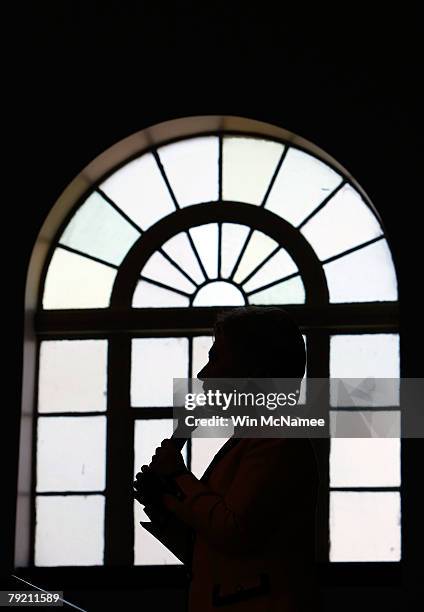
(358, 423)
(148, 435)
(365, 462)
(203, 451)
(71, 453)
(288, 292)
(74, 281)
(181, 251)
(69, 530)
(371, 275)
(192, 169)
(280, 265)
(205, 238)
(72, 376)
(155, 362)
(99, 230)
(219, 293)
(260, 245)
(201, 347)
(302, 183)
(140, 191)
(160, 269)
(364, 526)
(147, 295)
(248, 167)
(147, 549)
(362, 356)
(345, 222)
(232, 240)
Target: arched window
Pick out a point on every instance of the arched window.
(130, 269)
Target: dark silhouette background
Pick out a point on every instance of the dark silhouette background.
(347, 80)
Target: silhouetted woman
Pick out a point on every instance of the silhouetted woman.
(251, 518)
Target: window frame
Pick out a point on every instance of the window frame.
(119, 323)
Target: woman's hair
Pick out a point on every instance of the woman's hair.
(265, 339)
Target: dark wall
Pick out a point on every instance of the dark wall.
(345, 79)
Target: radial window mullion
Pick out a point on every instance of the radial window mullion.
(164, 286)
(273, 283)
(321, 205)
(165, 178)
(177, 266)
(242, 251)
(274, 176)
(196, 254)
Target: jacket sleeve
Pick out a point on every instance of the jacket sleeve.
(251, 510)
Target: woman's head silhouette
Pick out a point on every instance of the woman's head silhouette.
(256, 342)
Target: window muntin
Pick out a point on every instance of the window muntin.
(97, 229)
(139, 190)
(192, 169)
(301, 185)
(248, 167)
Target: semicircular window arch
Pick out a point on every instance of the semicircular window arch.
(329, 212)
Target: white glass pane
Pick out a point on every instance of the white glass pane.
(364, 355)
(364, 526)
(365, 462)
(280, 265)
(302, 183)
(73, 376)
(69, 530)
(370, 272)
(344, 222)
(147, 549)
(181, 251)
(139, 190)
(203, 450)
(192, 169)
(74, 281)
(148, 435)
(205, 238)
(248, 167)
(201, 347)
(358, 423)
(160, 269)
(71, 453)
(99, 230)
(288, 292)
(260, 245)
(219, 293)
(147, 295)
(232, 241)
(155, 362)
